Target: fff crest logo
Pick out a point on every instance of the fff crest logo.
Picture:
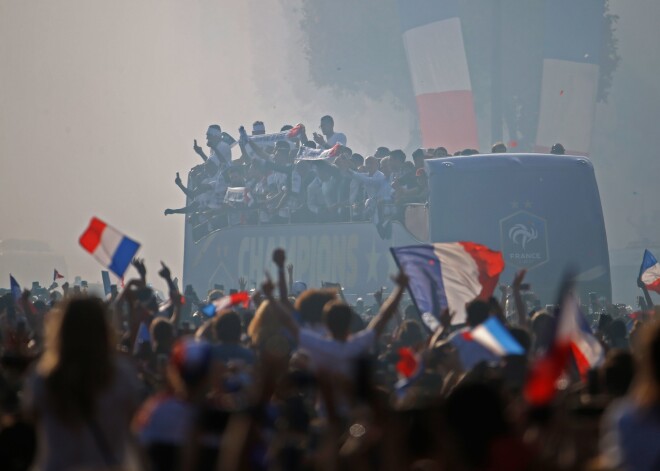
(524, 240)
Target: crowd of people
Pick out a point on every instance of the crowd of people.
(286, 177)
(286, 378)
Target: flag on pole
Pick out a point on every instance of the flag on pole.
(57, 275)
(649, 272)
(572, 337)
(15, 288)
(109, 246)
(439, 72)
(448, 275)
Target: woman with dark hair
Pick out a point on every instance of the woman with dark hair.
(82, 396)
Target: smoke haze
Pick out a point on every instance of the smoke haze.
(100, 103)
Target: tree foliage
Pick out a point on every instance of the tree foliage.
(356, 46)
(609, 55)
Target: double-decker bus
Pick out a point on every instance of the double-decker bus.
(543, 212)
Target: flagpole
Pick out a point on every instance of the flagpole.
(647, 296)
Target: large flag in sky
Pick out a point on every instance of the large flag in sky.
(448, 275)
(572, 337)
(571, 70)
(649, 272)
(110, 247)
(433, 41)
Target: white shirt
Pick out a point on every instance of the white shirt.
(330, 355)
(375, 185)
(338, 137)
(221, 149)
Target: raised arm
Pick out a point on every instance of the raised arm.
(179, 183)
(647, 296)
(521, 310)
(279, 257)
(444, 327)
(199, 151)
(283, 315)
(364, 178)
(289, 269)
(390, 306)
(175, 296)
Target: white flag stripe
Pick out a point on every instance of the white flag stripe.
(460, 277)
(110, 240)
(436, 57)
(568, 103)
(651, 274)
(483, 336)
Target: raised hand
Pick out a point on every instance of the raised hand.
(243, 137)
(164, 272)
(196, 148)
(279, 257)
(378, 296)
(518, 280)
(319, 139)
(139, 266)
(445, 318)
(267, 287)
(401, 279)
(177, 180)
(242, 283)
(289, 269)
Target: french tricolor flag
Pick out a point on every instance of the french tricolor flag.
(649, 272)
(242, 298)
(496, 338)
(109, 246)
(572, 337)
(448, 275)
(433, 41)
(489, 341)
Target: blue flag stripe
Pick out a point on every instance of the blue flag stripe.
(123, 256)
(425, 274)
(504, 337)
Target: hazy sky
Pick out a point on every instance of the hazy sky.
(100, 103)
